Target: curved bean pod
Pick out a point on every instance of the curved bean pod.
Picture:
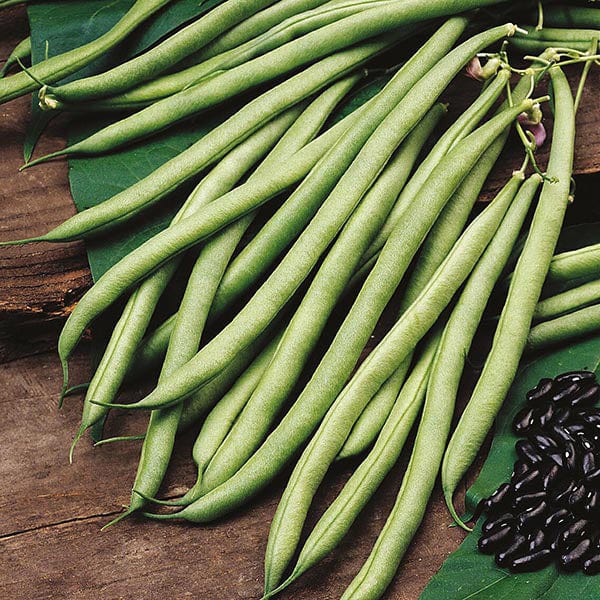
(20, 53)
(571, 17)
(568, 301)
(55, 68)
(581, 263)
(526, 285)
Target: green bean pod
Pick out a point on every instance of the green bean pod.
(249, 196)
(21, 52)
(309, 320)
(434, 427)
(536, 41)
(573, 17)
(564, 329)
(575, 264)
(399, 342)
(367, 161)
(366, 479)
(57, 67)
(162, 56)
(172, 83)
(525, 288)
(568, 301)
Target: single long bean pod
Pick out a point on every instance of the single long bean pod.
(140, 307)
(571, 17)
(304, 254)
(170, 84)
(526, 285)
(564, 329)
(21, 52)
(366, 479)
(169, 176)
(435, 248)
(309, 320)
(399, 343)
(162, 56)
(575, 264)
(57, 67)
(340, 359)
(569, 301)
(419, 479)
(536, 41)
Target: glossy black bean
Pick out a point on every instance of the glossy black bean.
(525, 420)
(572, 533)
(496, 541)
(519, 468)
(557, 458)
(545, 417)
(527, 452)
(588, 462)
(497, 522)
(591, 565)
(519, 545)
(577, 496)
(586, 444)
(566, 392)
(561, 493)
(575, 376)
(541, 390)
(574, 559)
(543, 442)
(576, 428)
(561, 415)
(531, 562)
(524, 501)
(590, 418)
(500, 499)
(529, 481)
(551, 477)
(570, 456)
(537, 540)
(593, 477)
(591, 504)
(560, 433)
(532, 517)
(557, 518)
(588, 396)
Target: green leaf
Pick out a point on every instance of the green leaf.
(468, 574)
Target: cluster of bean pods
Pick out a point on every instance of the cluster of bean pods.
(550, 509)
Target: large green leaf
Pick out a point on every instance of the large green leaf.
(469, 574)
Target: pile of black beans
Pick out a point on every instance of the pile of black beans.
(550, 509)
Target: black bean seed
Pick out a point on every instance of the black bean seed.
(585, 443)
(591, 565)
(557, 518)
(496, 541)
(522, 502)
(551, 477)
(537, 540)
(519, 544)
(561, 415)
(532, 517)
(531, 562)
(561, 494)
(531, 480)
(561, 433)
(586, 397)
(573, 560)
(576, 428)
(542, 442)
(588, 463)
(593, 477)
(497, 522)
(527, 452)
(519, 468)
(571, 533)
(525, 420)
(570, 456)
(545, 417)
(500, 499)
(592, 503)
(564, 395)
(591, 418)
(542, 389)
(577, 496)
(575, 376)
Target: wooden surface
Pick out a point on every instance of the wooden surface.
(51, 512)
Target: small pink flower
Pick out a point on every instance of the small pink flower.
(532, 121)
(474, 69)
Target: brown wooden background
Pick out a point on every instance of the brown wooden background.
(51, 512)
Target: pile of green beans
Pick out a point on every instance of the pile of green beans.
(306, 235)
